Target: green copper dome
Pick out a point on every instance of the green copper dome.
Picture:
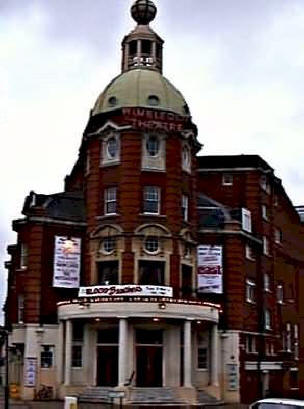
(141, 88)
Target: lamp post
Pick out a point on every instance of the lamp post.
(4, 336)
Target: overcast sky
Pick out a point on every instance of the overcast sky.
(239, 64)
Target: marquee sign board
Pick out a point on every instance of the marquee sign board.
(126, 290)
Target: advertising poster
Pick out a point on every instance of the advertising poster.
(30, 370)
(209, 269)
(67, 262)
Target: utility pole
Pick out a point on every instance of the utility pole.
(4, 335)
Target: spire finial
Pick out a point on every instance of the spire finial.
(143, 11)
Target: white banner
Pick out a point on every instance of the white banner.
(125, 291)
(67, 262)
(209, 269)
(30, 370)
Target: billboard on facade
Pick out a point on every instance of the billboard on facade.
(128, 290)
(209, 269)
(67, 260)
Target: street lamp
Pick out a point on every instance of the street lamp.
(4, 337)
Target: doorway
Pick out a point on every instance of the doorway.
(107, 366)
(149, 358)
(107, 357)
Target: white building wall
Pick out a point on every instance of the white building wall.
(230, 366)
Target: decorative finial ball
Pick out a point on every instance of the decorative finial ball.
(143, 11)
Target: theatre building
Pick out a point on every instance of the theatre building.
(157, 275)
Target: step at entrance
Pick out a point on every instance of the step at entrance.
(95, 394)
(165, 395)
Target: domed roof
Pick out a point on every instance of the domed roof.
(141, 88)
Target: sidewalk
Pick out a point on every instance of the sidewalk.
(60, 405)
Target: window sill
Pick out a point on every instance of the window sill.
(24, 268)
(110, 163)
(146, 169)
(107, 216)
(250, 259)
(153, 215)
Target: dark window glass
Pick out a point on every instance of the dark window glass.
(108, 272)
(152, 145)
(46, 357)
(107, 336)
(151, 244)
(77, 331)
(146, 47)
(153, 100)
(151, 272)
(151, 199)
(133, 48)
(186, 280)
(77, 356)
(109, 244)
(111, 200)
(202, 358)
(112, 101)
(149, 337)
(112, 147)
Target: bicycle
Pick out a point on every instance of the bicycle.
(44, 393)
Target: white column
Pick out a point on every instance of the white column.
(60, 352)
(122, 353)
(154, 51)
(68, 352)
(214, 356)
(139, 48)
(187, 354)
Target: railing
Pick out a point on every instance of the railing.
(129, 381)
(144, 60)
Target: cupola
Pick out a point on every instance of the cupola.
(142, 47)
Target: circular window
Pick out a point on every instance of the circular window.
(108, 244)
(153, 100)
(112, 101)
(152, 145)
(151, 244)
(186, 157)
(112, 147)
(186, 109)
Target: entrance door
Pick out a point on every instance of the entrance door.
(107, 365)
(149, 366)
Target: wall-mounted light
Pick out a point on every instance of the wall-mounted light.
(155, 319)
(97, 319)
(83, 305)
(162, 306)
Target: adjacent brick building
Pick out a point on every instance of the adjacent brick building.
(190, 267)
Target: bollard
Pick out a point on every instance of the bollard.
(70, 402)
